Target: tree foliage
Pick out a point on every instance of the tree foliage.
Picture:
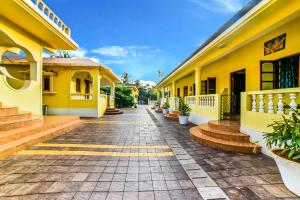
(123, 96)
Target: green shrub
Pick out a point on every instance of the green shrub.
(285, 136)
(183, 108)
(166, 105)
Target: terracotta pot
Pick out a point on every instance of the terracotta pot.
(183, 119)
(290, 173)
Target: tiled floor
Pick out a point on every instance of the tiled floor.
(116, 157)
(130, 157)
(240, 176)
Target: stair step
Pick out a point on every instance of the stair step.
(225, 125)
(8, 111)
(1, 104)
(171, 117)
(14, 124)
(18, 116)
(232, 146)
(51, 130)
(114, 113)
(222, 134)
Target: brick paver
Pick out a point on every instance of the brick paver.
(240, 176)
(115, 157)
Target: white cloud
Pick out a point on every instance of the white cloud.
(113, 51)
(219, 6)
(79, 53)
(150, 83)
(45, 54)
(125, 51)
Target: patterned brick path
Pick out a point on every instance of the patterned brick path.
(240, 176)
(116, 157)
(130, 157)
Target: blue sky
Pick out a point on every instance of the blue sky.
(141, 37)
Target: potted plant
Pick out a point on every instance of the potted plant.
(166, 107)
(157, 104)
(284, 141)
(184, 112)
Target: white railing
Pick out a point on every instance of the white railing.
(51, 15)
(162, 101)
(191, 100)
(207, 100)
(275, 101)
(174, 103)
(81, 96)
(102, 97)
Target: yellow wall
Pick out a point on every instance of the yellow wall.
(62, 87)
(187, 81)
(249, 57)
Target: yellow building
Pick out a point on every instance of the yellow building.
(71, 86)
(134, 92)
(245, 71)
(29, 27)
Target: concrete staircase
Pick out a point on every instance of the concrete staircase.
(173, 116)
(113, 111)
(20, 130)
(224, 135)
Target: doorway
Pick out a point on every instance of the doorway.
(238, 85)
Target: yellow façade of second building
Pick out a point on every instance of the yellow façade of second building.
(71, 86)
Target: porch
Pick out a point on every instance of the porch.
(258, 110)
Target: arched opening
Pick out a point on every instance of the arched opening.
(16, 69)
(82, 86)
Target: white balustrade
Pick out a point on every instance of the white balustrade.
(253, 103)
(293, 104)
(261, 103)
(81, 96)
(51, 15)
(280, 105)
(274, 101)
(191, 100)
(270, 104)
(207, 100)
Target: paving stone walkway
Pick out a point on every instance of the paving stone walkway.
(137, 155)
(240, 176)
(115, 157)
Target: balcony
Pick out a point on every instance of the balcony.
(52, 16)
(36, 18)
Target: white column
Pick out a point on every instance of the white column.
(270, 104)
(112, 95)
(253, 103)
(293, 104)
(280, 104)
(261, 103)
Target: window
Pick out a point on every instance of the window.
(194, 89)
(169, 93)
(211, 85)
(178, 92)
(283, 73)
(46, 83)
(208, 86)
(78, 87)
(203, 87)
(185, 91)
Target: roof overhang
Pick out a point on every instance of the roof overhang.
(27, 16)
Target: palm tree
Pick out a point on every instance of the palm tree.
(125, 78)
(137, 83)
(160, 75)
(63, 54)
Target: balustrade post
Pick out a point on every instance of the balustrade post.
(280, 104)
(293, 104)
(261, 103)
(270, 104)
(253, 103)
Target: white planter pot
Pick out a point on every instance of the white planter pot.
(170, 110)
(156, 107)
(165, 111)
(290, 173)
(183, 119)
